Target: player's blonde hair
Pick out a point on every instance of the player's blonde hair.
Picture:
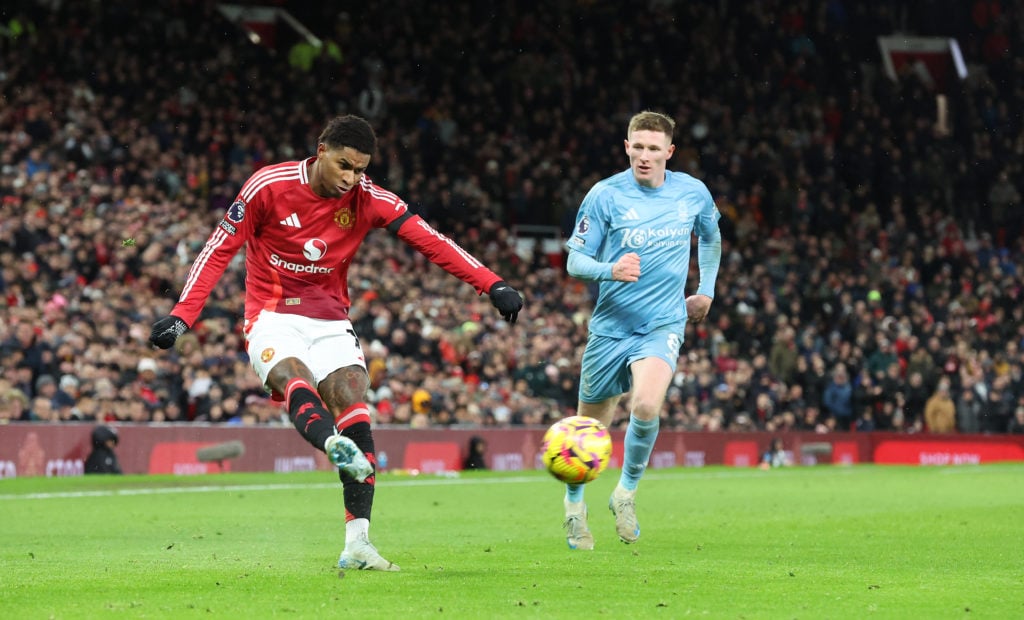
(652, 121)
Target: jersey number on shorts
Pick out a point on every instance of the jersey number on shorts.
(356, 338)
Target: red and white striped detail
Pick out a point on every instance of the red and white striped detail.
(295, 383)
(378, 192)
(466, 256)
(216, 240)
(265, 177)
(358, 412)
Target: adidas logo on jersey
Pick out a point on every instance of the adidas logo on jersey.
(292, 220)
(631, 214)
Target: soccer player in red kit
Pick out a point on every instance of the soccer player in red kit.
(303, 222)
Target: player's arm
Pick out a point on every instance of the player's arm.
(588, 238)
(206, 270)
(583, 267)
(448, 255)
(709, 247)
(709, 257)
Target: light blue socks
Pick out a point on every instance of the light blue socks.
(640, 436)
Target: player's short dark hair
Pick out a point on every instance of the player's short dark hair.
(349, 130)
(652, 121)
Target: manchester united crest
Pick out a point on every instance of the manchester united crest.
(267, 355)
(343, 217)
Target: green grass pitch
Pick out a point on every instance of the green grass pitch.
(806, 542)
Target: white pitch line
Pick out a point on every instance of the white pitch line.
(456, 479)
(425, 480)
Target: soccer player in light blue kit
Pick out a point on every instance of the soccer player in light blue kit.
(633, 236)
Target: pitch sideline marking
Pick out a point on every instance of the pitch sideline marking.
(442, 480)
(426, 480)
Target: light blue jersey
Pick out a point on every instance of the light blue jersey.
(619, 216)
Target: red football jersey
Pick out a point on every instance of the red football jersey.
(300, 245)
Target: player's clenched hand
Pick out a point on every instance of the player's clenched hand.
(166, 330)
(697, 307)
(507, 300)
(627, 268)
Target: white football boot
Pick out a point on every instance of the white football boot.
(623, 506)
(577, 534)
(347, 457)
(360, 554)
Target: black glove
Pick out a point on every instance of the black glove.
(166, 331)
(507, 300)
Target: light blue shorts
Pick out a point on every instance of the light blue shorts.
(605, 369)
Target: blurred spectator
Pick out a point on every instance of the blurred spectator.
(940, 411)
(14, 407)
(915, 396)
(775, 455)
(998, 408)
(838, 398)
(41, 409)
(865, 421)
(1016, 425)
(66, 396)
(476, 455)
(145, 386)
(969, 411)
(46, 387)
(102, 459)
(422, 402)
(783, 356)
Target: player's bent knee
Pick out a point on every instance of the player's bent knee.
(286, 370)
(344, 387)
(646, 410)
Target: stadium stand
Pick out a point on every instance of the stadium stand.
(866, 242)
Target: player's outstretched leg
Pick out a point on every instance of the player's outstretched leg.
(637, 446)
(311, 418)
(359, 552)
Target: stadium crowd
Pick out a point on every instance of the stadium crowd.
(872, 273)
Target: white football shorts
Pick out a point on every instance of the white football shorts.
(322, 345)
